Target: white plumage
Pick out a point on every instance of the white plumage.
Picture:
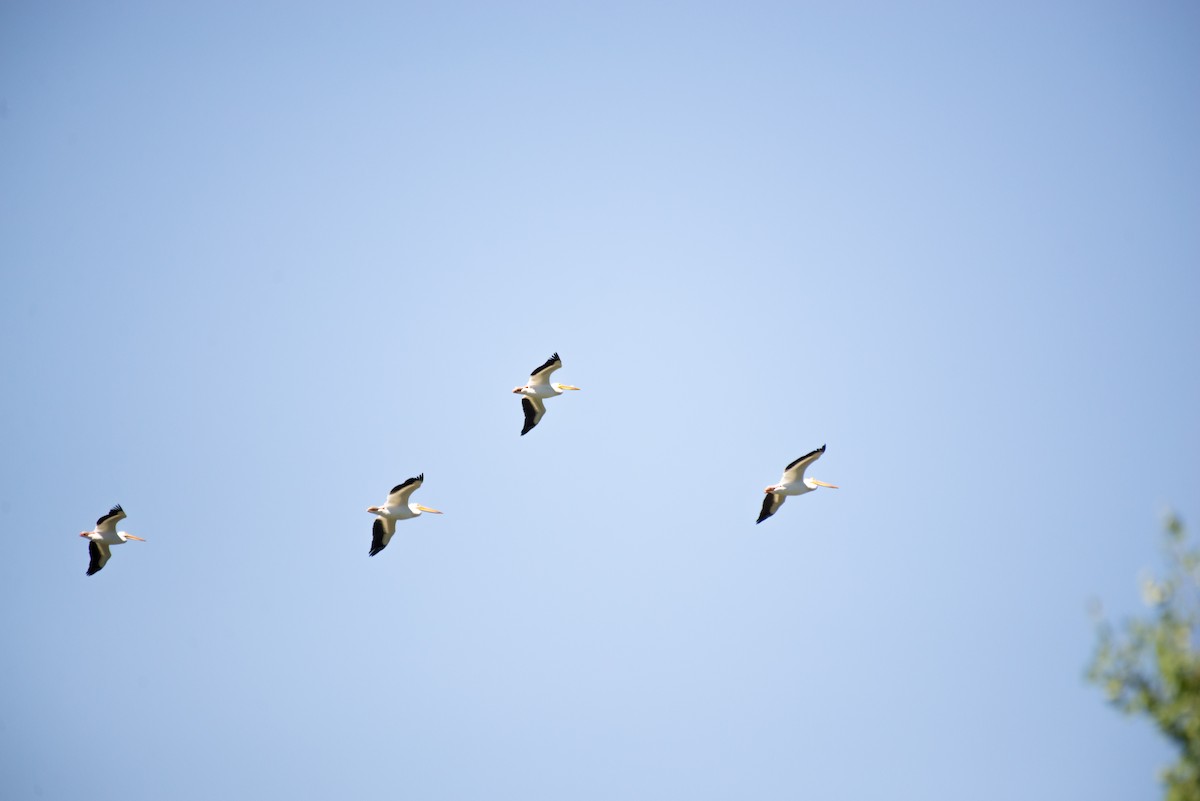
(104, 536)
(793, 482)
(535, 392)
(397, 507)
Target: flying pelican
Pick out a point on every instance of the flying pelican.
(537, 390)
(792, 483)
(396, 508)
(105, 534)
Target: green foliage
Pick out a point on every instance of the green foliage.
(1152, 666)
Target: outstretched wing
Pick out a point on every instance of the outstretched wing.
(534, 409)
(398, 497)
(541, 376)
(100, 553)
(771, 504)
(381, 534)
(108, 523)
(794, 473)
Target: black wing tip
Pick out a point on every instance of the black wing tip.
(769, 508)
(116, 510)
(808, 455)
(377, 543)
(406, 482)
(530, 415)
(553, 358)
(94, 565)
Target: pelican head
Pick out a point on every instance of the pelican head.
(561, 387)
(373, 510)
(813, 483)
(520, 390)
(85, 534)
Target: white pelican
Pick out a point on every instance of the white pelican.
(396, 508)
(792, 483)
(539, 388)
(103, 536)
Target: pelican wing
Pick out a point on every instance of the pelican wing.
(771, 504)
(107, 524)
(541, 376)
(398, 497)
(381, 534)
(534, 410)
(795, 471)
(100, 553)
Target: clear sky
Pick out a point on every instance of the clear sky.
(259, 264)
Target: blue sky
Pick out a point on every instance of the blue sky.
(260, 264)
